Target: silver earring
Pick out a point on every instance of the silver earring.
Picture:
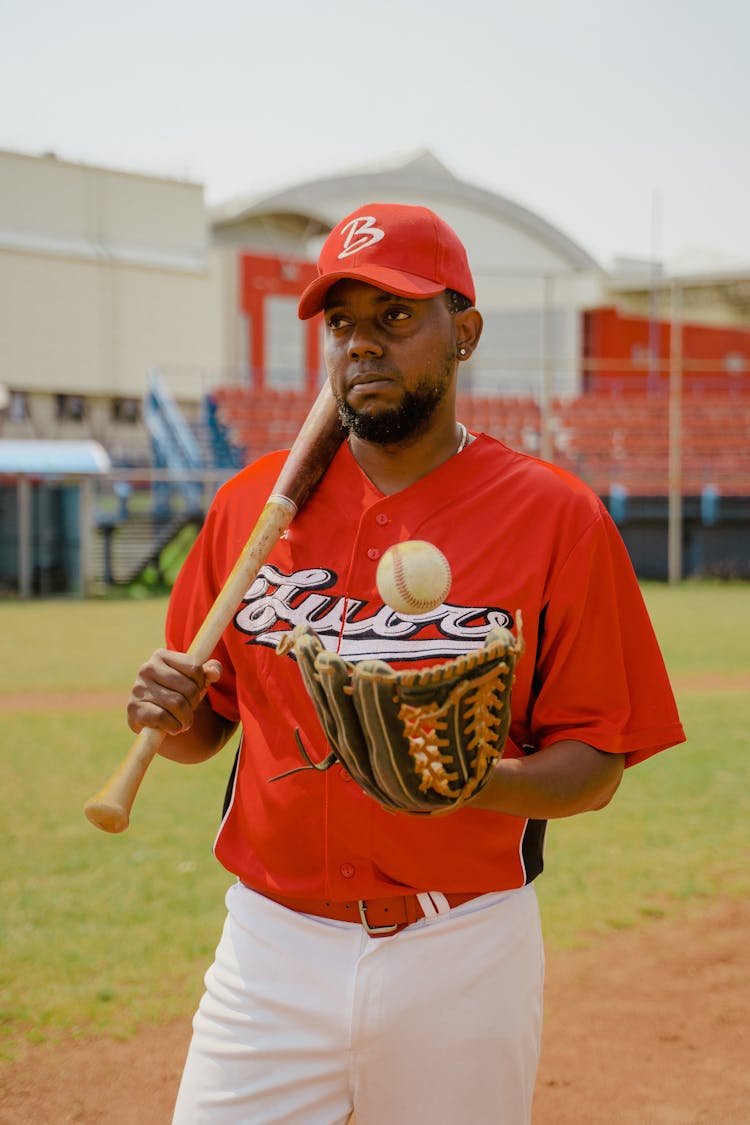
(463, 351)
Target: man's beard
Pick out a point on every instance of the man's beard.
(406, 420)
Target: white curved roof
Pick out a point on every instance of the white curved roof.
(56, 458)
(315, 206)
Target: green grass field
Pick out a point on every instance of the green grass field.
(101, 933)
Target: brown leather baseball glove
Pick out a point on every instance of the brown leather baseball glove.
(420, 741)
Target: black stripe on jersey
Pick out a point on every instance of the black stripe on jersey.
(229, 794)
(532, 848)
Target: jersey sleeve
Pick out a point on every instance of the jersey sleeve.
(600, 676)
(193, 594)
(229, 521)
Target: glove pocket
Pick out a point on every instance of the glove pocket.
(405, 765)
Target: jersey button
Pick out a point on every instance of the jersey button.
(348, 870)
(373, 553)
(344, 775)
(381, 518)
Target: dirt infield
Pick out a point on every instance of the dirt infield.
(646, 1027)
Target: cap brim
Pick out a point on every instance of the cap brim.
(402, 284)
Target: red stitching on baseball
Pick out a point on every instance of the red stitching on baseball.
(399, 579)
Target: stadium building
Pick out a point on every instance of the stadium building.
(137, 321)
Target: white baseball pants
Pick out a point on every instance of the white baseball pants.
(306, 1019)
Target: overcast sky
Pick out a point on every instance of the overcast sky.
(622, 122)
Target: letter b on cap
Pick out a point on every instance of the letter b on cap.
(360, 233)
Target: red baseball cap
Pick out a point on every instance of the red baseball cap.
(402, 249)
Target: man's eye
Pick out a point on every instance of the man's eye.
(397, 314)
(336, 320)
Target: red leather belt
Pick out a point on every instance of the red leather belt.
(379, 916)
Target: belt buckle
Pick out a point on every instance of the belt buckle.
(373, 929)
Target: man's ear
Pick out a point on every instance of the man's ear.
(469, 326)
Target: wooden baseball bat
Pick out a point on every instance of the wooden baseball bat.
(309, 457)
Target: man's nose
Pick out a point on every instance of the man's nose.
(364, 341)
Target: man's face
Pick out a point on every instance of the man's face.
(391, 360)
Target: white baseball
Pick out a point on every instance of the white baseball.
(413, 577)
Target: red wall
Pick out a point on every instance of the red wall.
(260, 277)
(617, 350)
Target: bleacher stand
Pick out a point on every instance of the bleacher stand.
(611, 441)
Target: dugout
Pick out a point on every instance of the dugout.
(46, 515)
(715, 534)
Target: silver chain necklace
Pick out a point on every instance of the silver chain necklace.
(464, 438)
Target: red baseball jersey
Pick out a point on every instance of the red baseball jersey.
(519, 534)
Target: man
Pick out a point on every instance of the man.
(377, 961)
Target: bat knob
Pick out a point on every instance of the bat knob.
(110, 818)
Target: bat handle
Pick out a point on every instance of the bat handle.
(109, 809)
